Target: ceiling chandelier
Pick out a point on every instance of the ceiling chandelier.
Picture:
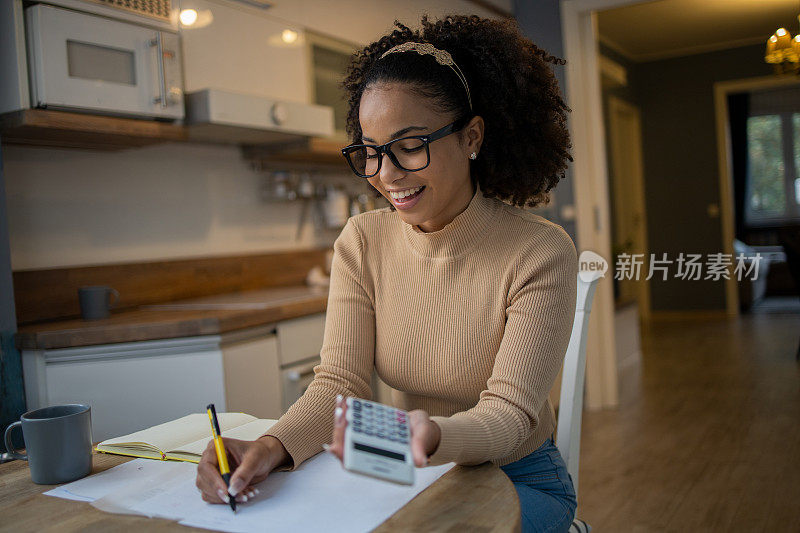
(783, 51)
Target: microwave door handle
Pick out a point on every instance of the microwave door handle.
(162, 85)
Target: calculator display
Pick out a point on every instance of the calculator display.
(378, 451)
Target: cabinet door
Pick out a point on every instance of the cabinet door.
(301, 338)
(238, 48)
(252, 376)
(129, 386)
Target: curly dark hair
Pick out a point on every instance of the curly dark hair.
(526, 141)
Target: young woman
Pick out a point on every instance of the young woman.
(460, 299)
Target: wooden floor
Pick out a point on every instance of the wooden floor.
(707, 435)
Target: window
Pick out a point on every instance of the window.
(773, 150)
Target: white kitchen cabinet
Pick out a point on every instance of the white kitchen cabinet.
(129, 386)
(300, 338)
(252, 372)
(329, 59)
(300, 343)
(235, 47)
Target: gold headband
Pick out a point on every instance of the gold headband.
(442, 57)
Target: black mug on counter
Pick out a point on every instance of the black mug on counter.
(96, 301)
(58, 443)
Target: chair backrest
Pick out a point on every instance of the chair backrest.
(570, 407)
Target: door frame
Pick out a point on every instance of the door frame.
(590, 178)
(580, 34)
(725, 158)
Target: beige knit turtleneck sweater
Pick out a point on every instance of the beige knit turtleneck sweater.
(470, 323)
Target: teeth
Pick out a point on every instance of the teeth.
(402, 194)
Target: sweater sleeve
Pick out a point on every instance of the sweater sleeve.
(347, 357)
(539, 315)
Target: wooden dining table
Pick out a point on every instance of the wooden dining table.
(466, 498)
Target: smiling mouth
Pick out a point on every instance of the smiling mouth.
(407, 198)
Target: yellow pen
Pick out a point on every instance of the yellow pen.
(222, 456)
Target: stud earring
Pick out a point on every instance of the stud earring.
(473, 155)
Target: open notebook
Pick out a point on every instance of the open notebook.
(186, 438)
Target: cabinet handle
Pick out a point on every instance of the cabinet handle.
(162, 85)
(294, 375)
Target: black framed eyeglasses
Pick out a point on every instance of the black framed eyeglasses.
(411, 154)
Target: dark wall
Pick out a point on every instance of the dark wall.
(540, 21)
(676, 97)
(12, 399)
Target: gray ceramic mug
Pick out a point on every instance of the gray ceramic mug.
(58, 443)
(96, 301)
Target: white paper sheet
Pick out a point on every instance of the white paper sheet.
(101, 484)
(320, 495)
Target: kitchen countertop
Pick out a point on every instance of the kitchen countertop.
(211, 315)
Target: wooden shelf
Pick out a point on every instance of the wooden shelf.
(311, 152)
(62, 129)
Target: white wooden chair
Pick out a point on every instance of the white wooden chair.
(570, 407)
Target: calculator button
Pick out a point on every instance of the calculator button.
(368, 405)
(356, 404)
(368, 431)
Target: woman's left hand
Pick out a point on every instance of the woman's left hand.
(425, 433)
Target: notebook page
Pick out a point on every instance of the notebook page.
(187, 429)
(250, 431)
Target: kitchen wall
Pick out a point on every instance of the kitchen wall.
(680, 162)
(363, 21)
(73, 207)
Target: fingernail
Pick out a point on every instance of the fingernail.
(326, 446)
(251, 494)
(223, 496)
(258, 491)
(337, 414)
(338, 399)
(244, 498)
(236, 487)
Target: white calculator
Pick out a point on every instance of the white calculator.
(377, 441)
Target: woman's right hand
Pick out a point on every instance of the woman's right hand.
(250, 463)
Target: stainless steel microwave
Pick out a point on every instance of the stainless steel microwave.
(84, 62)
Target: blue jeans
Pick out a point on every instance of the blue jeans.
(546, 494)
